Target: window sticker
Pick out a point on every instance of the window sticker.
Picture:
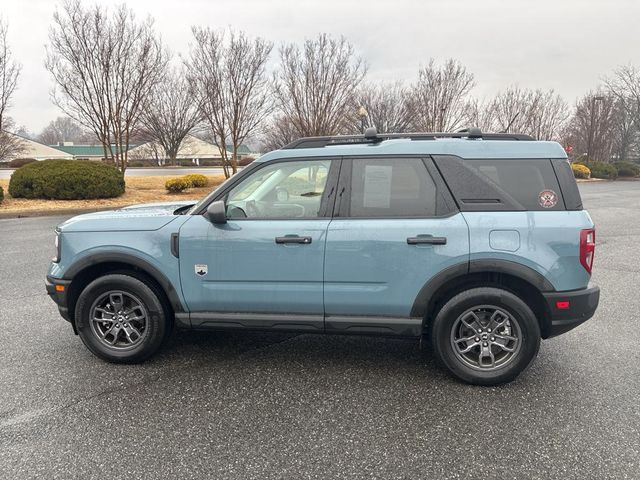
(377, 186)
(548, 199)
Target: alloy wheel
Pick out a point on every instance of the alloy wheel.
(486, 337)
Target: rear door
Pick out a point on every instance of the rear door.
(394, 228)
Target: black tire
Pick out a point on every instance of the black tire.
(155, 325)
(479, 301)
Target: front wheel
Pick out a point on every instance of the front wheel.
(485, 336)
(120, 319)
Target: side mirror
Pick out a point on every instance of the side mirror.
(216, 212)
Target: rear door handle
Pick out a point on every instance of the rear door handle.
(427, 240)
(293, 239)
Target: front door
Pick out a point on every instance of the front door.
(264, 267)
(395, 228)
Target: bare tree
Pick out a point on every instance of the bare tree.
(24, 132)
(278, 133)
(548, 114)
(541, 114)
(315, 86)
(624, 85)
(227, 72)
(10, 145)
(64, 129)
(479, 114)
(625, 129)
(590, 129)
(387, 105)
(440, 97)
(171, 114)
(104, 67)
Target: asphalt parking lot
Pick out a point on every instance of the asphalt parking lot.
(261, 406)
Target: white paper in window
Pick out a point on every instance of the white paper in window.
(377, 186)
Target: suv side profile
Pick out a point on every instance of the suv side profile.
(476, 243)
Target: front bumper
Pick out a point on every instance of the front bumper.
(582, 305)
(59, 294)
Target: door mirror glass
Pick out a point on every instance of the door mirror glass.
(216, 212)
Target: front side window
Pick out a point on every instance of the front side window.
(281, 190)
(391, 187)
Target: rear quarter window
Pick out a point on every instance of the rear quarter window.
(502, 185)
(532, 183)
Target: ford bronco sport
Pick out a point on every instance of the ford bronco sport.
(475, 243)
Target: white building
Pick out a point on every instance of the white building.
(38, 151)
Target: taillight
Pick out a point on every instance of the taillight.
(587, 247)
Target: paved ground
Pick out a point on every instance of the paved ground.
(282, 406)
(147, 172)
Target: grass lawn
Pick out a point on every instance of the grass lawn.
(138, 190)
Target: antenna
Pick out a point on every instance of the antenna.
(371, 134)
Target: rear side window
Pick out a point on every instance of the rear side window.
(498, 184)
(391, 187)
(532, 184)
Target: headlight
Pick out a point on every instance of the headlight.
(57, 242)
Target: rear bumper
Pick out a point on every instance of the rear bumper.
(59, 296)
(582, 305)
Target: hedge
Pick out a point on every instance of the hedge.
(602, 170)
(21, 162)
(627, 169)
(66, 180)
(197, 180)
(580, 171)
(1, 194)
(177, 185)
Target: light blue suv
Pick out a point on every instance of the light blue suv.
(476, 243)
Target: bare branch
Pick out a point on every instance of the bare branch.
(278, 133)
(64, 129)
(590, 129)
(315, 86)
(541, 114)
(388, 107)
(104, 68)
(10, 145)
(170, 113)
(439, 97)
(227, 74)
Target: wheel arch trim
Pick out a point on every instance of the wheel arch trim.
(460, 270)
(100, 258)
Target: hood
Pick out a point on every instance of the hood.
(143, 217)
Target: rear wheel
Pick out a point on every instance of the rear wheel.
(120, 319)
(485, 336)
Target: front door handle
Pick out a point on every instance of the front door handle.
(293, 239)
(427, 240)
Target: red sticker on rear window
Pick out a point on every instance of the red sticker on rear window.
(547, 199)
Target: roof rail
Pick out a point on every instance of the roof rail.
(372, 137)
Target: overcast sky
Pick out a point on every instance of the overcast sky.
(568, 45)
